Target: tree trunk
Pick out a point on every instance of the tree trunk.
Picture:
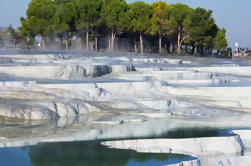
(202, 50)
(112, 40)
(82, 42)
(66, 44)
(141, 43)
(179, 43)
(160, 42)
(195, 50)
(67, 41)
(43, 42)
(171, 47)
(87, 38)
(109, 45)
(96, 43)
(135, 47)
(82, 37)
(186, 49)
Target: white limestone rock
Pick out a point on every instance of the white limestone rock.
(190, 146)
(245, 136)
(236, 161)
(187, 163)
(122, 68)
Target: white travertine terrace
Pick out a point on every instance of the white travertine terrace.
(98, 96)
(191, 146)
(80, 84)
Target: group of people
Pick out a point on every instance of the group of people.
(243, 52)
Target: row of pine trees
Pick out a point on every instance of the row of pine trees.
(178, 25)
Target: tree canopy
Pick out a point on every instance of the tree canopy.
(140, 14)
(88, 16)
(112, 13)
(168, 25)
(180, 22)
(202, 28)
(159, 20)
(39, 19)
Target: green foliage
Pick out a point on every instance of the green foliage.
(112, 13)
(176, 23)
(179, 23)
(2, 36)
(88, 13)
(220, 41)
(159, 20)
(183, 53)
(140, 14)
(201, 27)
(39, 15)
(180, 18)
(225, 54)
(13, 35)
(63, 20)
(39, 20)
(41, 9)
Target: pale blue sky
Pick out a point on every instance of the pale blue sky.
(234, 15)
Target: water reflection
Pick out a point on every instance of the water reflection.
(196, 132)
(87, 154)
(193, 132)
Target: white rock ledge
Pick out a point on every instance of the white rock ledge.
(245, 136)
(191, 146)
(236, 161)
(187, 163)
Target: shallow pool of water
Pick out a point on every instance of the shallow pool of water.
(83, 153)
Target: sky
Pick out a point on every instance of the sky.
(233, 15)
